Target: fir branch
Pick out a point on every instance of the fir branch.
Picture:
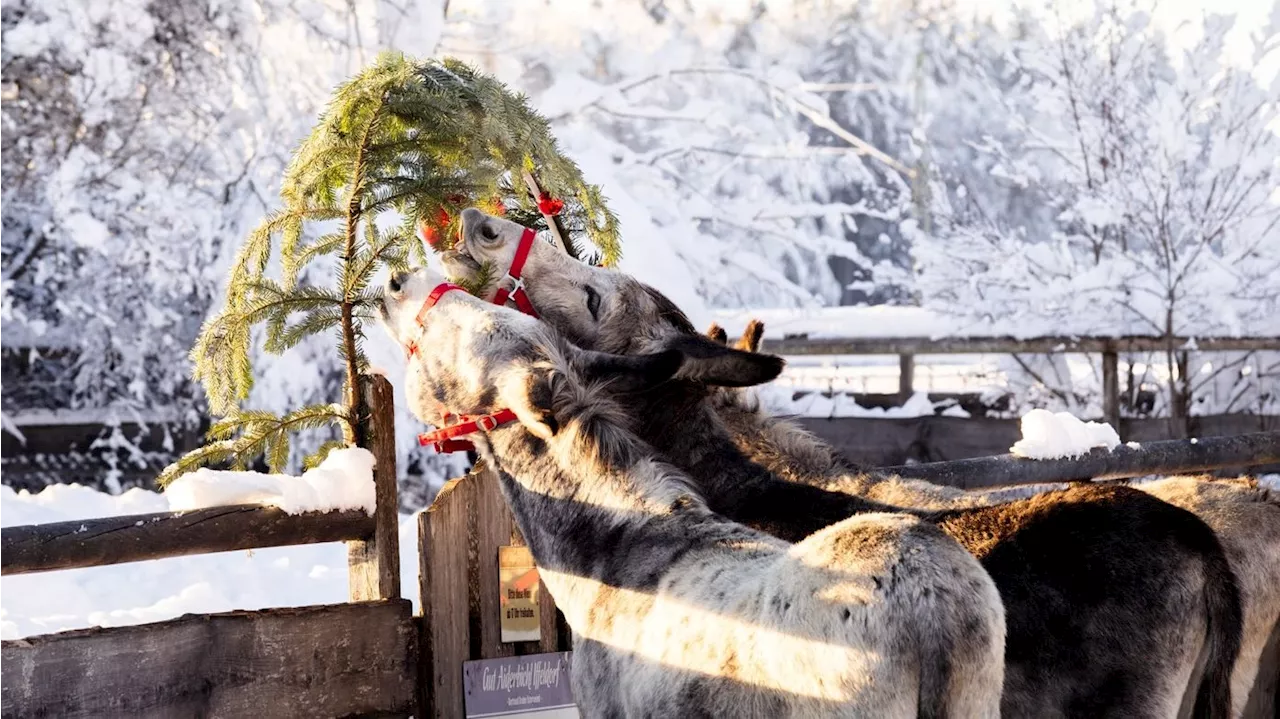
(260, 433)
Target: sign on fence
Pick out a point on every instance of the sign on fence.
(518, 582)
(535, 686)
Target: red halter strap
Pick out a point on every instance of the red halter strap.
(411, 347)
(443, 438)
(517, 292)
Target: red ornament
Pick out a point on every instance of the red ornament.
(549, 205)
(433, 231)
(430, 234)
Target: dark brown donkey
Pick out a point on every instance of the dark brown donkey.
(1113, 598)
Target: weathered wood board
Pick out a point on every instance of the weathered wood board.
(323, 661)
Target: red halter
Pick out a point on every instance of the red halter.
(411, 347)
(517, 292)
(443, 438)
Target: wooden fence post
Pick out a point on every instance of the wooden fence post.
(1111, 388)
(373, 564)
(442, 585)
(906, 376)
(491, 527)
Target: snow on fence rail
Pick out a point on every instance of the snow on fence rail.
(115, 540)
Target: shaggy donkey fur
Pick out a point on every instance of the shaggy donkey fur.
(1245, 517)
(1112, 597)
(677, 611)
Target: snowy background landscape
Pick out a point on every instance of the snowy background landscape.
(852, 169)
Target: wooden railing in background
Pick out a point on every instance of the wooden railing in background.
(907, 348)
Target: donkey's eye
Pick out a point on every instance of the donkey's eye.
(593, 302)
(488, 232)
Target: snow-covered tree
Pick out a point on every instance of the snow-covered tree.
(1160, 171)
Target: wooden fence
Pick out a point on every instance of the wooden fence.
(459, 537)
(371, 656)
(367, 657)
(907, 348)
(354, 659)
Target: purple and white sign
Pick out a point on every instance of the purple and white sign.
(533, 686)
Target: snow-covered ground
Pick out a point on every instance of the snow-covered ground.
(161, 589)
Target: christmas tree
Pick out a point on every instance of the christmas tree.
(401, 148)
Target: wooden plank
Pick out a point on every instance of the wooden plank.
(373, 564)
(491, 528)
(906, 376)
(1111, 389)
(1164, 457)
(339, 660)
(133, 538)
(547, 612)
(442, 578)
(803, 345)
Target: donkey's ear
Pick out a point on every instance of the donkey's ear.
(629, 373)
(710, 362)
(751, 336)
(717, 334)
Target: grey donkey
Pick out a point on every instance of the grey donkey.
(676, 610)
(1245, 517)
(1117, 604)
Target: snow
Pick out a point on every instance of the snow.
(162, 589)
(721, 138)
(344, 480)
(1057, 435)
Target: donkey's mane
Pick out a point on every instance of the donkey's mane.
(595, 431)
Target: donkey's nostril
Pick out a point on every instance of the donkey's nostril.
(397, 281)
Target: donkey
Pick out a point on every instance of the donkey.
(1245, 517)
(677, 611)
(1111, 596)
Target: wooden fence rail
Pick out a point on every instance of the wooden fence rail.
(1109, 347)
(325, 661)
(804, 345)
(1163, 457)
(134, 538)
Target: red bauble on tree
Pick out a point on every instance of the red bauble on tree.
(433, 230)
(549, 205)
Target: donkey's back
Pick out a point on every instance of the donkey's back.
(879, 615)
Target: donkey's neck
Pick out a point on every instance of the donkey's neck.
(687, 429)
(597, 508)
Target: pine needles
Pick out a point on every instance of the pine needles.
(400, 144)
